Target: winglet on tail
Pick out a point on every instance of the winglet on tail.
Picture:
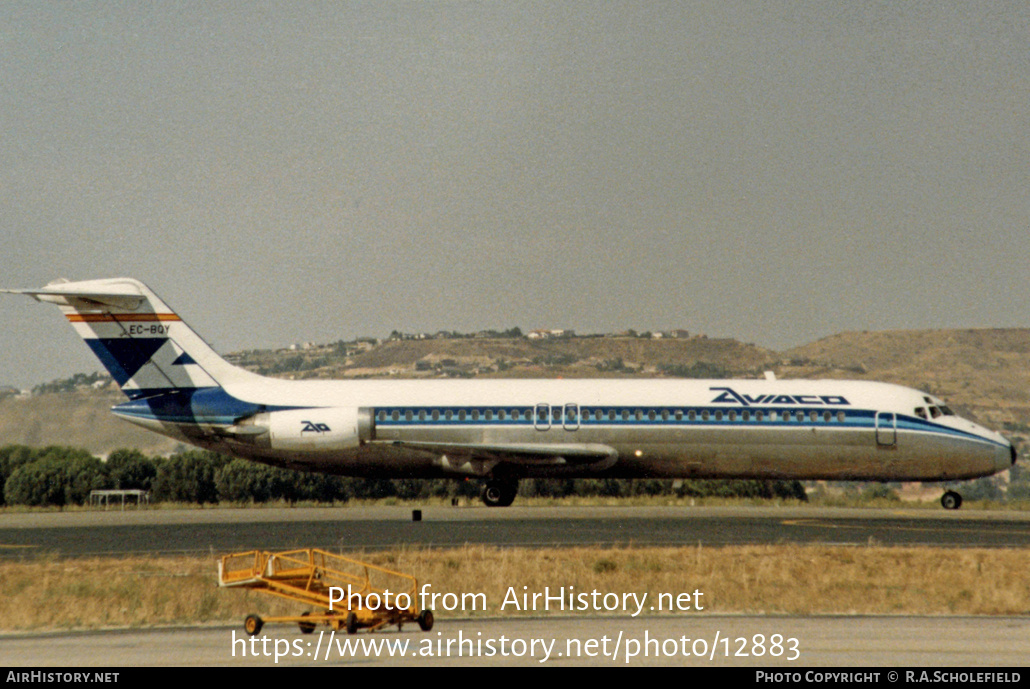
(142, 343)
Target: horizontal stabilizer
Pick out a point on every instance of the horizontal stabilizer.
(120, 295)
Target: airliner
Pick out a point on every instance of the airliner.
(501, 431)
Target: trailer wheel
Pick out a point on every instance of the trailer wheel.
(352, 623)
(253, 624)
(425, 620)
(306, 627)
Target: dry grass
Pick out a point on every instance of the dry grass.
(136, 592)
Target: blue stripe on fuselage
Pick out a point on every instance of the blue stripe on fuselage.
(661, 417)
(196, 405)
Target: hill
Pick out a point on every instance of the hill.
(983, 372)
(81, 418)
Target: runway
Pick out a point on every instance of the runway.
(87, 533)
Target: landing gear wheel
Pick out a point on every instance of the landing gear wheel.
(951, 500)
(499, 493)
(253, 624)
(306, 627)
(352, 623)
(425, 620)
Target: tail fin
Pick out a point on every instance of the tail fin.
(144, 345)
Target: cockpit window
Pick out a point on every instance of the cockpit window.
(936, 406)
(921, 412)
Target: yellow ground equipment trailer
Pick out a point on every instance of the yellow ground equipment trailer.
(346, 594)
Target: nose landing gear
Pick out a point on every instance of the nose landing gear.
(951, 500)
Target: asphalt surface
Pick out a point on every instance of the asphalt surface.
(711, 641)
(82, 533)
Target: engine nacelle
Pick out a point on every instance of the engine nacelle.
(333, 428)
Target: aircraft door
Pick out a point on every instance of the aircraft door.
(886, 429)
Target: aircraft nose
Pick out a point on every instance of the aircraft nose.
(1005, 457)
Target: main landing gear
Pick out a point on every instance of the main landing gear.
(499, 492)
(951, 500)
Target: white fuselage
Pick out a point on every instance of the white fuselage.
(769, 429)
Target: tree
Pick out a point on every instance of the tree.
(244, 481)
(12, 457)
(188, 477)
(131, 470)
(59, 476)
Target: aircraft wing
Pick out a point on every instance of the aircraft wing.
(517, 453)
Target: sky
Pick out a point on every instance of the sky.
(314, 171)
